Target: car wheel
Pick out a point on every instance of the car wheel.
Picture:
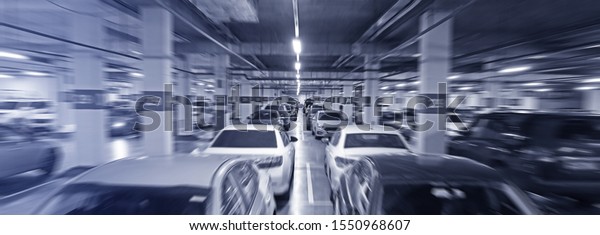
(49, 164)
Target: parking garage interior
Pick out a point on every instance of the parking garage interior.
(77, 75)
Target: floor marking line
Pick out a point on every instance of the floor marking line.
(309, 185)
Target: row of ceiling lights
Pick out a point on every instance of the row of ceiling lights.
(297, 45)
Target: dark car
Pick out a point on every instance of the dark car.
(546, 153)
(307, 103)
(392, 119)
(268, 117)
(411, 184)
(284, 115)
(122, 121)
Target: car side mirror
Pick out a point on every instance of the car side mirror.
(325, 140)
(293, 139)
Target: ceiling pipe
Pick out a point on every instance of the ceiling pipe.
(399, 10)
(208, 36)
(414, 39)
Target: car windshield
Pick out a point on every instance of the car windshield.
(272, 107)
(585, 130)
(392, 116)
(94, 199)
(373, 141)
(245, 139)
(332, 116)
(263, 115)
(8, 105)
(314, 109)
(462, 198)
(39, 105)
(201, 103)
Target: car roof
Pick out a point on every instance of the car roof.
(398, 167)
(257, 127)
(163, 171)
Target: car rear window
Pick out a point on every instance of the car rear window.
(8, 105)
(263, 115)
(246, 139)
(373, 141)
(458, 199)
(332, 116)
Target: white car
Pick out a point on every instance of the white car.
(36, 114)
(268, 145)
(353, 142)
(327, 122)
(169, 185)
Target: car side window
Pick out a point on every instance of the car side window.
(335, 139)
(285, 137)
(7, 135)
(232, 201)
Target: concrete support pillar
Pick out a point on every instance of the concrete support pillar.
(493, 94)
(64, 108)
(221, 91)
(347, 94)
(370, 92)
(245, 108)
(157, 42)
(435, 47)
(88, 93)
(591, 100)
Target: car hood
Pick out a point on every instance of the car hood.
(372, 151)
(242, 151)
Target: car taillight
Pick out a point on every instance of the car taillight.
(343, 162)
(269, 162)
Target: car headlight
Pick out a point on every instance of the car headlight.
(118, 124)
(343, 162)
(269, 162)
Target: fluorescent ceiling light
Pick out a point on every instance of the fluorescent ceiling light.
(401, 85)
(297, 65)
(416, 55)
(585, 88)
(297, 45)
(537, 57)
(593, 46)
(465, 88)
(135, 52)
(210, 85)
(453, 77)
(35, 74)
(5, 76)
(416, 82)
(534, 84)
(412, 92)
(592, 80)
(297, 76)
(385, 88)
(515, 69)
(544, 90)
(11, 55)
(136, 75)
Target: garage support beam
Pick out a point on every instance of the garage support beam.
(435, 48)
(89, 97)
(222, 88)
(245, 108)
(370, 91)
(270, 49)
(157, 46)
(347, 92)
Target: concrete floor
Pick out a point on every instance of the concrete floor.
(309, 195)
